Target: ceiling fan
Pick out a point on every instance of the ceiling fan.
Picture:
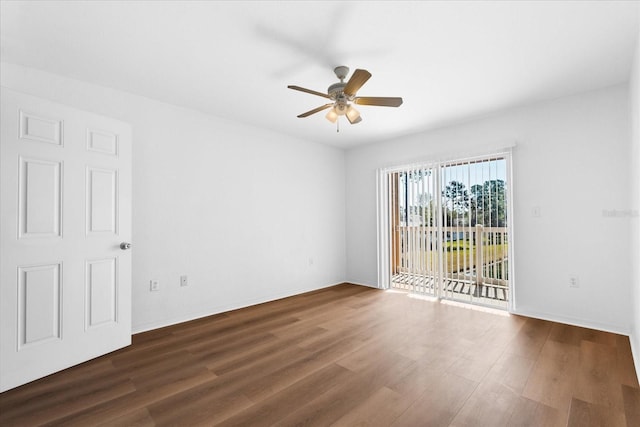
(343, 95)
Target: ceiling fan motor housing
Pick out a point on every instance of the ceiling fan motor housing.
(336, 89)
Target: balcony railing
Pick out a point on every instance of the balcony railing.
(476, 255)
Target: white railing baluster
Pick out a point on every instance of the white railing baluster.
(479, 260)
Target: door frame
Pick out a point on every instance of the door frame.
(385, 228)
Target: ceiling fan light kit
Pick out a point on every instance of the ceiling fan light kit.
(344, 94)
(332, 116)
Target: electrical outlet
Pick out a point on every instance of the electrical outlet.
(155, 285)
(573, 282)
(183, 281)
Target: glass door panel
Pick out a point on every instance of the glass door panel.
(449, 230)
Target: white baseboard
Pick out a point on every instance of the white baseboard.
(136, 329)
(583, 323)
(361, 284)
(634, 339)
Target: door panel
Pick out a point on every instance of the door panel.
(102, 142)
(102, 197)
(40, 128)
(40, 198)
(101, 292)
(39, 303)
(65, 187)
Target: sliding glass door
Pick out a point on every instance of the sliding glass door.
(449, 230)
(414, 217)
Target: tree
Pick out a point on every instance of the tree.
(415, 203)
(457, 197)
(456, 203)
(427, 209)
(488, 204)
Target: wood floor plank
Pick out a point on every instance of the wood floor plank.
(563, 352)
(63, 404)
(231, 361)
(567, 334)
(490, 404)
(438, 405)
(290, 373)
(418, 379)
(512, 371)
(584, 413)
(66, 392)
(129, 403)
(268, 361)
(436, 359)
(380, 409)
(175, 375)
(275, 408)
(237, 337)
(631, 396)
(332, 405)
(594, 384)
(552, 382)
(530, 339)
(139, 418)
(213, 352)
(528, 413)
(199, 408)
(472, 369)
(50, 386)
(624, 362)
(345, 355)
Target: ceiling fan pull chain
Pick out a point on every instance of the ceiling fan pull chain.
(337, 125)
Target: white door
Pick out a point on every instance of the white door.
(65, 283)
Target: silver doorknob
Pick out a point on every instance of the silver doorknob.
(125, 245)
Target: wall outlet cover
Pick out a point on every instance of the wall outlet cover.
(573, 282)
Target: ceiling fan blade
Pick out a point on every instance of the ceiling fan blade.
(312, 92)
(379, 101)
(315, 110)
(358, 78)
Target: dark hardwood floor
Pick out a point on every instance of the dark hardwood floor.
(347, 355)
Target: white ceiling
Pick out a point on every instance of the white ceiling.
(450, 61)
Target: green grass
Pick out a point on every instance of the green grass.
(461, 254)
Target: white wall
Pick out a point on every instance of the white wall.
(242, 211)
(634, 112)
(571, 160)
(247, 214)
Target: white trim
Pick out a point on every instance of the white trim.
(382, 220)
(366, 285)
(511, 304)
(574, 321)
(635, 351)
(136, 329)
